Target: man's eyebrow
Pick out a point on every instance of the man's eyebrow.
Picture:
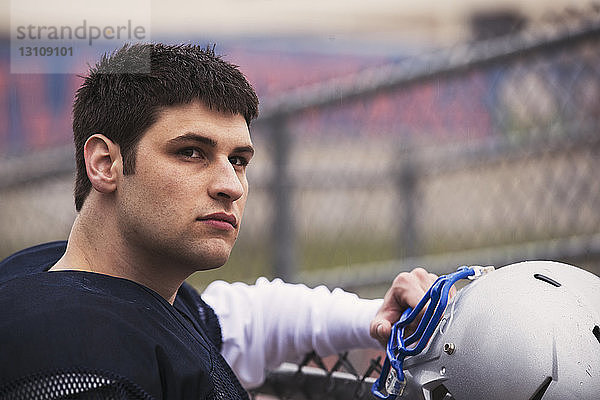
(244, 149)
(195, 137)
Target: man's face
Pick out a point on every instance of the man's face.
(184, 202)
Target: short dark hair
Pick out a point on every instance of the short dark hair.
(124, 92)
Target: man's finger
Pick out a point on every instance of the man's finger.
(408, 288)
(381, 330)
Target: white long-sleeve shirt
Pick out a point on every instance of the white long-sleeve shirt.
(271, 322)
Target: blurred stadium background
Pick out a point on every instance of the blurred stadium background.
(392, 135)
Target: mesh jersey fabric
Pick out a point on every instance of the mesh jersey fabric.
(73, 384)
(66, 328)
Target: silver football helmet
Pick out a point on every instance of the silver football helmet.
(527, 331)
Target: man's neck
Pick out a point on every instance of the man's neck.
(90, 249)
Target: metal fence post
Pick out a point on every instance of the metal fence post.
(408, 234)
(282, 188)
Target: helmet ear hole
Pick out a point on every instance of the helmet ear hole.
(441, 393)
(542, 390)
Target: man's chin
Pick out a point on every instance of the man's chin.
(211, 258)
(210, 264)
(198, 255)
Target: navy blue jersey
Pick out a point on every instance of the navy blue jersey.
(63, 324)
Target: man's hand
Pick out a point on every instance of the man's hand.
(406, 291)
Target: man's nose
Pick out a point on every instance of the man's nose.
(225, 184)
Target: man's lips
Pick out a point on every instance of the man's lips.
(220, 220)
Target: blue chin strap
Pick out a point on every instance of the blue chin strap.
(392, 381)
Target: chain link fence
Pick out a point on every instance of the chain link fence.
(336, 377)
(481, 153)
(484, 152)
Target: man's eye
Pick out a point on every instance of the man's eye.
(238, 161)
(191, 153)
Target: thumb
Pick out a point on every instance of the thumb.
(380, 330)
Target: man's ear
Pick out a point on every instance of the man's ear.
(103, 162)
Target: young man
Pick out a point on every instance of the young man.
(160, 190)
